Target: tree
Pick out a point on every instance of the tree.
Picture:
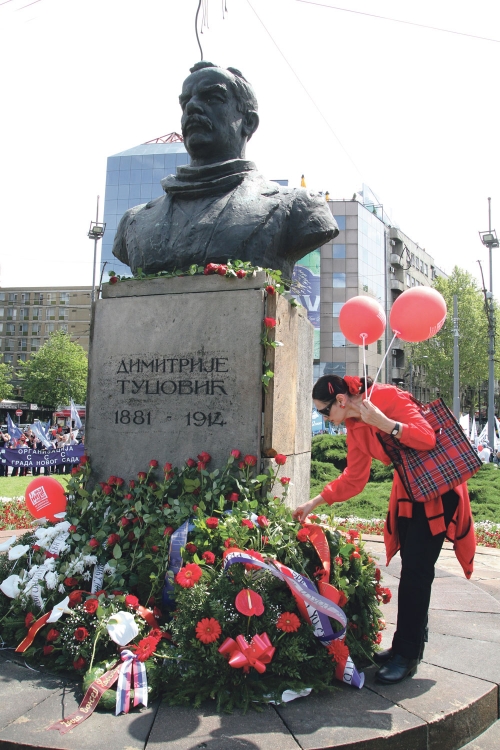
(436, 354)
(6, 388)
(56, 372)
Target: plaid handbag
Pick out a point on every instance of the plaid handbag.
(428, 474)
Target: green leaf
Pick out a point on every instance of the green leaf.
(262, 477)
(76, 537)
(82, 492)
(117, 551)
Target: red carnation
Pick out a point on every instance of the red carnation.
(235, 453)
(113, 539)
(288, 622)
(270, 289)
(262, 521)
(81, 634)
(386, 596)
(153, 463)
(250, 460)
(90, 606)
(29, 619)
(212, 522)
(188, 575)
(131, 601)
(47, 650)
(280, 459)
(208, 630)
(93, 543)
(191, 463)
(269, 322)
(233, 497)
(284, 481)
(209, 557)
(303, 535)
(241, 274)
(52, 635)
(191, 548)
(141, 476)
(75, 598)
(80, 663)
(70, 582)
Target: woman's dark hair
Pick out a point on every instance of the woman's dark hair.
(327, 387)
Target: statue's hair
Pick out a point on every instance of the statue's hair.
(242, 90)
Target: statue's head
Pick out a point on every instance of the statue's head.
(219, 113)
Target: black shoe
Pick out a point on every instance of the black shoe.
(396, 669)
(382, 657)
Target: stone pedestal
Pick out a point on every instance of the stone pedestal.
(175, 368)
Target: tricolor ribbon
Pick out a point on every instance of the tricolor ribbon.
(243, 655)
(131, 668)
(177, 541)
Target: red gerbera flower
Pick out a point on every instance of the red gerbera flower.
(288, 622)
(208, 630)
(339, 651)
(188, 575)
(146, 648)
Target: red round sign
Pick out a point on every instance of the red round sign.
(19, 412)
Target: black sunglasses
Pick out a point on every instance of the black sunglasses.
(326, 410)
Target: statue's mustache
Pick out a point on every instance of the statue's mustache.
(197, 120)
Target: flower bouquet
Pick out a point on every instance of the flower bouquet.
(191, 584)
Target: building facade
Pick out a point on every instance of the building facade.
(28, 315)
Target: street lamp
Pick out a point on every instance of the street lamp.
(96, 233)
(489, 239)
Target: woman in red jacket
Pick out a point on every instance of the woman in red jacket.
(418, 530)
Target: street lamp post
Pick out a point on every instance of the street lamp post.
(489, 239)
(96, 233)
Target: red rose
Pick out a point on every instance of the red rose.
(280, 459)
(233, 497)
(80, 663)
(386, 596)
(93, 543)
(303, 535)
(131, 536)
(228, 543)
(48, 554)
(117, 593)
(131, 484)
(36, 548)
(250, 460)
(107, 489)
(355, 555)
(113, 539)
(212, 522)
(191, 463)
(210, 268)
(201, 466)
(84, 459)
(52, 635)
(209, 557)
(29, 619)
(90, 606)
(196, 491)
(205, 457)
(195, 508)
(81, 634)
(222, 270)
(75, 470)
(70, 582)
(124, 521)
(284, 481)
(242, 465)
(75, 598)
(270, 289)
(248, 523)
(168, 531)
(377, 574)
(131, 601)
(191, 548)
(241, 274)
(167, 467)
(264, 539)
(142, 476)
(119, 481)
(339, 561)
(153, 463)
(113, 279)
(157, 612)
(235, 453)
(378, 638)
(72, 529)
(111, 480)
(153, 485)
(47, 650)
(269, 322)
(262, 521)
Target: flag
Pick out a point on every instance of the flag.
(75, 417)
(473, 432)
(13, 431)
(37, 428)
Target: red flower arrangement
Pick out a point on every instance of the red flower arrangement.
(288, 622)
(188, 575)
(208, 630)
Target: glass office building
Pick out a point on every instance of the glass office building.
(133, 178)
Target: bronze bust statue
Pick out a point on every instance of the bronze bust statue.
(220, 207)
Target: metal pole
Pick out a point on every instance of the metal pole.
(456, 361)
(95, 254)
(491, 350)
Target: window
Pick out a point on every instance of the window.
(338, 339)
(25, 298)
(412, 281)
(22, 357)
(63, 313)
(2, 310)
(339, 251)
(426, 269)
(49, 328)
(8, 358)
(24, 313)
(23, 328)
(2, 296)
(35, 344)
(10, 329)
(412, 259)
(379, 346)
(1, 327)
(11, 313)
(36, 329)
(64, 298)
(37, 315)
(408, 279)
(38, 298)
(337, 306)
(339, 279)
(12, 297)
(63, 327)
(50, 313)
(22, 345)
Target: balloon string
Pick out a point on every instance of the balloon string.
(382, 364)
(364, 336)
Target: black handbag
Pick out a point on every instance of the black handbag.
(429, 474)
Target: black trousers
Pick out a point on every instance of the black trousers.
(419, 553)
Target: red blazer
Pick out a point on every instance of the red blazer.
(363, 446)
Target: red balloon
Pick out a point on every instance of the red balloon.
(45, 497)
(362, 320)
(418, 314)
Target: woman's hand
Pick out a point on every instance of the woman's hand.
(300, 514)
(371, 414)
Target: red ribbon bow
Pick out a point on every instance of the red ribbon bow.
(353, 383)
(244, 655)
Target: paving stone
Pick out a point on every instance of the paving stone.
(102, 729)
(455, 710)
(481, 625)
(489, 740)
(478, 658)
(461, 595)
(21, 689)
(180, 728)
(490, 587)
(349, 718)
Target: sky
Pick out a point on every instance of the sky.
(344, 98)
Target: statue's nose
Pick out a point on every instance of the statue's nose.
(193, 106)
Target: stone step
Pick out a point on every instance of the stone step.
(489, 740)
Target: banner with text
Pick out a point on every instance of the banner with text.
(35, 459)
